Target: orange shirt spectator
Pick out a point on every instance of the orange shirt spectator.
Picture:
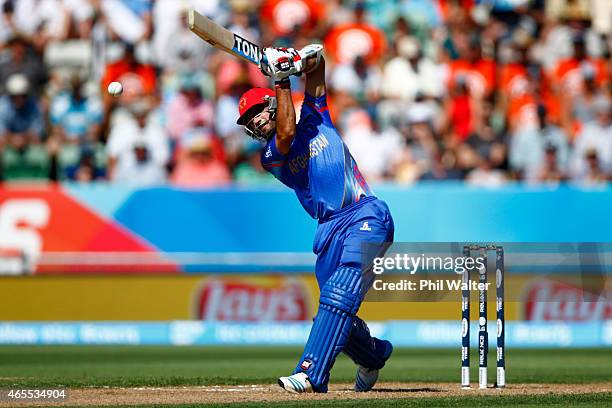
(461, 116)
(460, 110)
(285, 15)
(136, 78)
(514, 80)
(479, 75)
(523, 93)
(523, 111)
(570, 73)
(348, 41)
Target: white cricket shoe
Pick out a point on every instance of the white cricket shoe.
(365, 379)
(297, 383)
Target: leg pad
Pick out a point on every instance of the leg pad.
(339, 301)
(365, 350)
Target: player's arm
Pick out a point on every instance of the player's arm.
(280, 64)
(285, 117)
(315, 79)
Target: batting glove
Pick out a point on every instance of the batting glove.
(311, 51)
(280, 63)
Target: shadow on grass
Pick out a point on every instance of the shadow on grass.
(396, 390)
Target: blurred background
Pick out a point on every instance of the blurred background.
(481, 91)
(475, 120)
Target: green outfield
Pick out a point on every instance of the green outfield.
(585, 400)
(101, 366)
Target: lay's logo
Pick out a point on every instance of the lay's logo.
(557, 301)
(250, 300)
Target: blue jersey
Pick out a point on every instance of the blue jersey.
(319, 166)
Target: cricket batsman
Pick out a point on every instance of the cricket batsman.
(311, 158)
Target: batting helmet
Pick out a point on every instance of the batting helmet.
(252, 102)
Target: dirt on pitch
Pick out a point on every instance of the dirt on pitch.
(273, 393)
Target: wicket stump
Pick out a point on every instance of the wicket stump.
(483, 334)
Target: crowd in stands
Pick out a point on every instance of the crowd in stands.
(482, 91)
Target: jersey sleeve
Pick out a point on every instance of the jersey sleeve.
(315, 107)
(271, 159)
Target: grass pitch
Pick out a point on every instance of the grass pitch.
(138, 366)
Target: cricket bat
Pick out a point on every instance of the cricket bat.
(222, 38)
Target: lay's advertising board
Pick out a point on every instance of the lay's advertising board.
(257, 298)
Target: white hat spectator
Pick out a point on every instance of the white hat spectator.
(408, 47)
(419, 112)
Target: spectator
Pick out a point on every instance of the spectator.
(460, 111)
(188, 110)
(549, 170)
(171, 35)
(443, 167)
(596, 136)
(409, 73)
(337, 13)
(476, 71)
(138, 148)
(183, 51)
(138, 79)
(7, 21)
(21, 121)
(76, 117)
(198, 168)
(21, 126)
(583, 103)
(406, 170)
(374, 151)
(284, 18)
(528, 146)
(570, 72)
(20, 59)
(232, 71)
(485, 175)
(414, 159)
(86, 169)
(357, 81)
(345, 42)
(240, 22)
(226, 113)
(41, 21)
(594, 174)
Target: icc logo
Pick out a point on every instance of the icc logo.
(305, 364)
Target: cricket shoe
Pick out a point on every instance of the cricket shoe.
(366, 377)
(297, 383)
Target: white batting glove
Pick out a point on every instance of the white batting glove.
(311, 51)
(280, 63)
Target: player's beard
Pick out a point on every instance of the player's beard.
(255, 130)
